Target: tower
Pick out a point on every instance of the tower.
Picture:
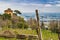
(9, 11)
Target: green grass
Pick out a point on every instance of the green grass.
(1, 38)
(23, 31)
(46, 34)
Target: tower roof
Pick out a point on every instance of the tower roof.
(8, 10)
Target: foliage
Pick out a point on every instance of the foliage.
(22, 25)
(26, 25)
(42, 25)
(53, 26)
(19, 22)
(32, 23)
(17, 12)
(6, 16)
(15, 22)
(48, 35)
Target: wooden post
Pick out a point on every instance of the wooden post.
(59, 36)
(58, 30)
(38, 26)
(59, 33)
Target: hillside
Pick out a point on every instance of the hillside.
(46, 34)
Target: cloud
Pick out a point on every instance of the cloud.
(23, 7)
(29, 7)
(57, 2)
(4, 5)
(58, 5)
(48, 5)
(32, 1)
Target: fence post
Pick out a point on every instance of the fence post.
(38, 25)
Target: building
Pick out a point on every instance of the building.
(9, 11)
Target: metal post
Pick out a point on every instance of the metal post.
(38, 26)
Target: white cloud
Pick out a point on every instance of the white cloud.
(48, 5)
(24, 7)
(58, 5)
(4, 5)
(57, 2)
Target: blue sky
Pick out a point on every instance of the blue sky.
(31, 1)
(44, 6)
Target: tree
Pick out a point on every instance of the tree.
(17, 12)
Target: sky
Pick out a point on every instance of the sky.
(29, 6)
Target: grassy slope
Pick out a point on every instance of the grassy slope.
(46, 34)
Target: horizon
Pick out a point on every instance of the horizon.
(29, 6)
